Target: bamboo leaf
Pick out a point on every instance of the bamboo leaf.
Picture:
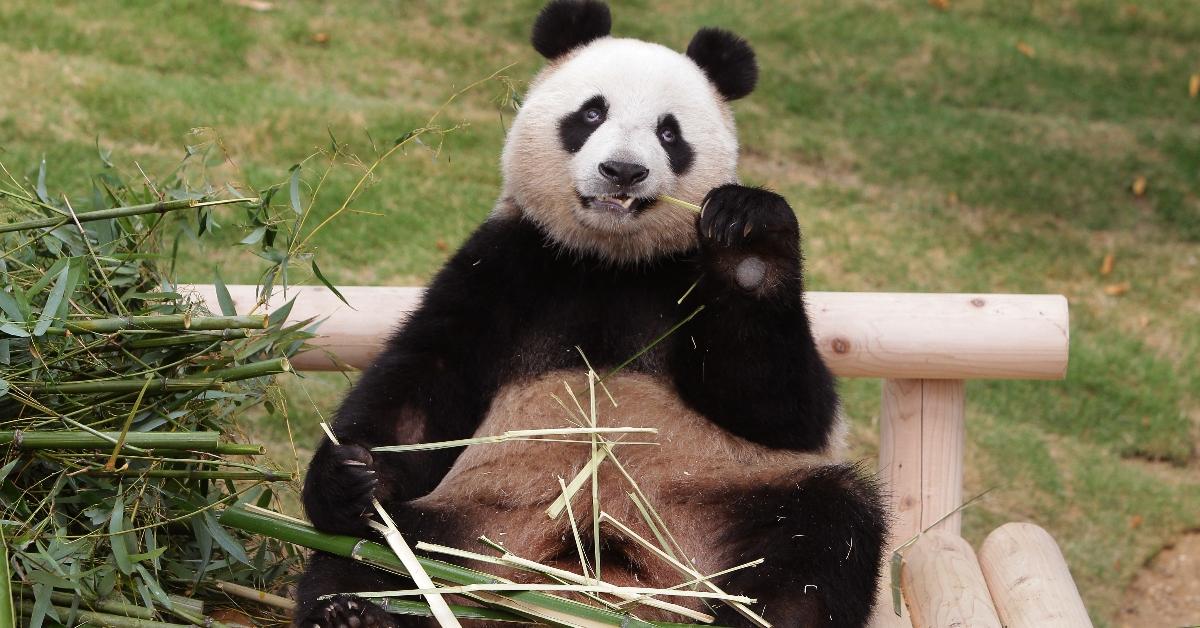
(225, 540)
(255, 236)
(6, 469)
(321, 276)
(116, 539)
(294, 189)
(13, 330)
(223, 297)
(41, 183)
(52, 302)
(4, 382)
(10, 307)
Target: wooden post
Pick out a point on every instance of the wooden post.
(920, 462)
(944, 586)
(1029, 579)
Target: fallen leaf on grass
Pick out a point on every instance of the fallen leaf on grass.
(1106, 267)
(1025, 49)
(1138, 187)
(1117, 289)
(441, 245)
(1194, 86)
(254, 5)
(1135, 522)
(320, 38)
(940, 5)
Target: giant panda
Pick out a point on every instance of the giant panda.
(580, 258)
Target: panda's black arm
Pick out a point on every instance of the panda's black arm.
(432, 382)
(754, 368)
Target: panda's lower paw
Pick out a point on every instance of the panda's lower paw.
(736, 216)
(347, 611)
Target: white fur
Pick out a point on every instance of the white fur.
(642, 82)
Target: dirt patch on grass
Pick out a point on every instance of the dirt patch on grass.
(1167, 591)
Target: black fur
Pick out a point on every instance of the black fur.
(821, 536)
(727, 59)
(564, 25)
(574, 129)
(512, 304)
(679, 152)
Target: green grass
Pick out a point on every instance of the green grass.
(922, 149)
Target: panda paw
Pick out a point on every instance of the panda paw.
(340, 488)
(347, 611)
(751, 237)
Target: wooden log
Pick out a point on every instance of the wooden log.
(943, 584)
(916, 336)
(1029, 579)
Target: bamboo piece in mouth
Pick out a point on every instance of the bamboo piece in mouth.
(680, 202)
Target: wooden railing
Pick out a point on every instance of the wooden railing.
(923, 347)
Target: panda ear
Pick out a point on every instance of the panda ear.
(727, 60)
(564, 25)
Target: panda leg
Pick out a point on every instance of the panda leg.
(327, 574)
(821, 532)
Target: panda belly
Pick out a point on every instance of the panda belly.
(690, 476)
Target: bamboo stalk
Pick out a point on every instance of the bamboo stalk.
(238, 449)
(104, 606)
(8, 618)
(262, 597)
(160, 207)
(517, 435)
(187, 339)
(199, 441)
(252, 370)
(161, 322)
(76, 440)
(262, 475)
(421, 609)
(102, 619)
(259, 521)
(157, 386)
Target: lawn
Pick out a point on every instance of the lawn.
(985, 146)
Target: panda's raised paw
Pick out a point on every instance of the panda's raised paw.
(737, 216)
(354, 478)
(347, 611)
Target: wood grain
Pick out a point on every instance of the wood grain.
(915, 336)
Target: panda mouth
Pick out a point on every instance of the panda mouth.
(621, 204)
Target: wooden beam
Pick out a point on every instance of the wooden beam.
(914, 336)
(943, 584)
(1029, 579)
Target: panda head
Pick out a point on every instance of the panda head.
(610, 124)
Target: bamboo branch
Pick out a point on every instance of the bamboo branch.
(160, 207)
(156, 386)
(161, 322)
(75, 440)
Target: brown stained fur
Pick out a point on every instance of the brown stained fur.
(689, 477)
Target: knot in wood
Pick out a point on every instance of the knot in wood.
(841, 345)
(978, 302)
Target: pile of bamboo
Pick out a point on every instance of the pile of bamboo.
(119, 400)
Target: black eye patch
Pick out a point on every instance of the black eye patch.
(575, 127)
(679, 152)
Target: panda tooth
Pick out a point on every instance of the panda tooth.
(627, 202)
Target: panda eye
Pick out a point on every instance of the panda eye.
(667, 135)
(593, 116)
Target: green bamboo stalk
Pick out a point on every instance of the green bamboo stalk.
(187, 339)
(262, 475)
(199, 441)
(160, 207)
(158, 386)
(8, 618)
(105, 606)
(238, 449)
(161, 322)
(252, 370)
(421, 609)
(298, 532)
(102, 619)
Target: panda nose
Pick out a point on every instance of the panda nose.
(624, 173)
